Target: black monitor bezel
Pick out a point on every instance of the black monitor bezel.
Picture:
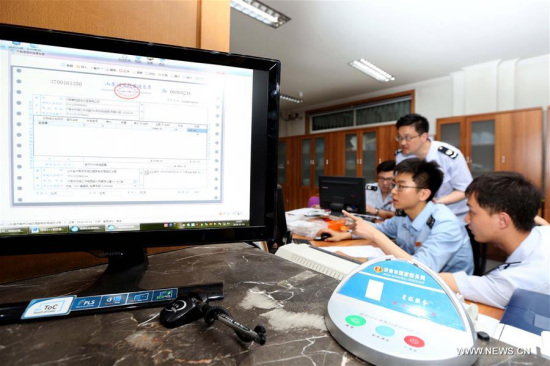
(264, 150)
(357, 182)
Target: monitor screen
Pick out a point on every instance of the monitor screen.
(114, 143)
(342, 193)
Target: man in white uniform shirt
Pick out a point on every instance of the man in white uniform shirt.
(378, 195)
(502, 209)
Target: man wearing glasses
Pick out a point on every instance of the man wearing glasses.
(502, 210)
(425, 231)
(412, 136)
(379, 200)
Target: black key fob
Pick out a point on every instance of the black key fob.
(183, 310)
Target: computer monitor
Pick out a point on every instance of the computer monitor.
(342, 193)
(113, 146)
(282, 234)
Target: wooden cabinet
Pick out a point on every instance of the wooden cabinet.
(344, 153)
(358, 152)
(520, 144)
(314, 160)
(285, 174)
(452, 131)
(498, 141)
(481, 144)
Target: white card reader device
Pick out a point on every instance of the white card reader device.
(391, 311)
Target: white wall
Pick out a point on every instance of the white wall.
(532, 82)
(484, 88)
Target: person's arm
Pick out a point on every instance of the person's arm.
(460, 179)
(385, 214)
(449, 279)
(365, 230)
(452, 197)
(493, 290)
(335, 235)
(540, 221)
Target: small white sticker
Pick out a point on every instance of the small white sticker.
(374, 290)
(53, 306)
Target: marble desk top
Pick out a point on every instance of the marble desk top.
(260, 288)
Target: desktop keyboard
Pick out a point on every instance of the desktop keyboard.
(300, 241)
(331, 264)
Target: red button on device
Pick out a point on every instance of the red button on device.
(414, 341)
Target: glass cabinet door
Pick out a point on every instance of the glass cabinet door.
(319, 159)
(281, 163)
(450, 133)
(369, 156)
(482, 147)
(351, 155)
(305, 165)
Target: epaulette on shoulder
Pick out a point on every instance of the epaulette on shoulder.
(371, 187)
(398, 151)
(400, 212)
(430, 222)
(448, 152)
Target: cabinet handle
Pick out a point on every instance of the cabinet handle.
(379, 160)
(327, 162)
(503, 159)
(360, 161)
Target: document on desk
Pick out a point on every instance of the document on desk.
(357, 251)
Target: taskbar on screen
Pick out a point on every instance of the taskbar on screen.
(88, 228)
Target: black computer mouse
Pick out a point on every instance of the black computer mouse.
(184, 310)
(323, 237)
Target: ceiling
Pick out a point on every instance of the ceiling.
(412, 40)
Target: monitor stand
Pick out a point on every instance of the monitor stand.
(125, 270)
(336, 209)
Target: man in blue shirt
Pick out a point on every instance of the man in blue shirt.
(427, 232)
(412, 136)
(378, 195)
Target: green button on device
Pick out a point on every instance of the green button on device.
(355, 320)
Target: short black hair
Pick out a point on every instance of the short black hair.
(385, 166)
(508, 192)
(424, 174)
(420, 123)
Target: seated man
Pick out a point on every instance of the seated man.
(502, 209)
(379, 201)
(427, 232)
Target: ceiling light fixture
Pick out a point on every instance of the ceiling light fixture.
(291, 99)
(260, 12)
(371, 70)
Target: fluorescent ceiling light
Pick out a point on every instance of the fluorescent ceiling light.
(260, 12)
(371, 70)
(291, 99)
